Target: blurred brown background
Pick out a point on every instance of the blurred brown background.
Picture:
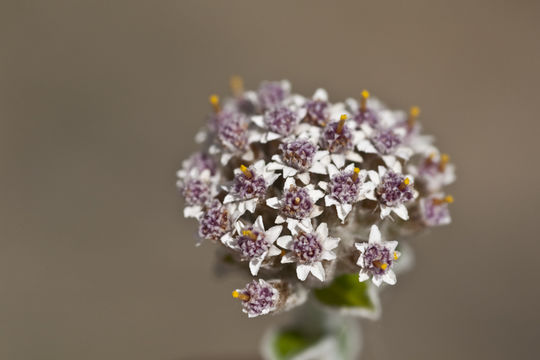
(99, 103)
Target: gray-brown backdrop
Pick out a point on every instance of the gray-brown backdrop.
(98, 106)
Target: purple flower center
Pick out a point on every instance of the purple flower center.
(252, 243)
(297, 203)
(307, 247)
(386, 142)
(345, 187)
(337, 139)
(271, 94)
(232, 131)
(366, 116)
(215, 222)
(393, 191)
(261, 298)
(298, 154)
(246, 187)
(317, 112)
(281, 120)
(375, 257)
(433, 213)
(201, 162)
(197, 192)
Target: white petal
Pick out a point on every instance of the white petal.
(317, 210)
(328, 255)
(366, 146)
(331, 243)
(318, 168)
(332, 170)
(320, 94)
(288, 183)
(291, 223)
(401, 211)
(317, 270)
(338, 159)
(272, 136)
(302, 271)
(385, 211)
(352, 156)
(289, 171)
(228, 240)
(225, 157)
(280, 219)
(273, 202)
(363, 276)
(288, 258)
(343, 210)
(329, 201)
(377, 280)
(374, 234)
(259, 223)
(285, 241)
(255, 264)
(374, 176)
(192, 211)
(273, 233)
(323, 185)
(322, 230)
(251, 205)
(303, 177)
(316, 195)
(274, 251)
(258, 120)
(390, 277)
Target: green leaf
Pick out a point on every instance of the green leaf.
(346, 291)
(291, 342)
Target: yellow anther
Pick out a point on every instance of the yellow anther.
(449, 199)
(445, 159)
(237, 85)
(239, 295)
(341, 123)
(249, 234)
(214, 101)
(363, 101)
(404, 184)
(356, 171)
(246, 171)
(446, 200)
(384, 266)
(297, 200)
(413, 114)
(396, 255)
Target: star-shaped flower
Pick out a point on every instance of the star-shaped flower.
(254, 243)
(249, 186)
(345, 188)
(376, 258)
(393, 191)
(308, 248)
(296, 204)
(298, 158)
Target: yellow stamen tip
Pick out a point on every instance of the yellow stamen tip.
(365, 94)
(237, 85)
(445, 158)
(449, 199)
(356, 170)
(214, 99)
(384, 266)
(343, 117)
(396, 255)
(235, 294)
(415, 111)
(246, 171)
(406, 181)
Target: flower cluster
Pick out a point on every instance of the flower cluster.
(299, 190)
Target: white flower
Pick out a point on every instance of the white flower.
(345, 188)
(308, 249)
(393, 190)
(434, 171)
(249, 186)
(198, 189)
(296, 204)
(254, 243)
(376, 258)
(299, 157)
(387, 143)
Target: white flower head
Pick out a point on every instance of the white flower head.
(346, 187)
(308, 248)
(249, 186)
(254, 243)
(296, 203)
(393, 191)
(376, 258)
